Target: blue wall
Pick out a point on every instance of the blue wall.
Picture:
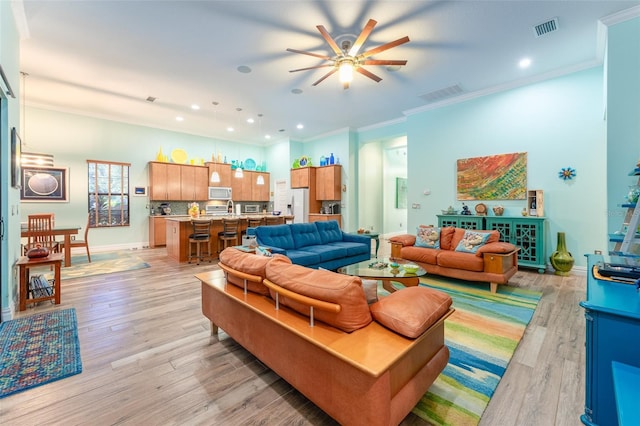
(558, 123)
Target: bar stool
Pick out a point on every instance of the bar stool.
(201, 235)
(273, 220)
(252, 223)
(229, 232)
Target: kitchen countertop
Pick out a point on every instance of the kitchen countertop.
(187, 218)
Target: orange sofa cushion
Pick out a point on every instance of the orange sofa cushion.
(460, 260)
(249, 264)
(344, 290)
(412, 310)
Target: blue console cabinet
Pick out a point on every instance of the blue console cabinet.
(612, 312)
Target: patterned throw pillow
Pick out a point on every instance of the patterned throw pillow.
(428, 237)
(472, 241)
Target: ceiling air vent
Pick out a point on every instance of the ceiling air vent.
(546, 27)
(438, 95)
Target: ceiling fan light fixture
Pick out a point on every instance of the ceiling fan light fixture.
(345, 70)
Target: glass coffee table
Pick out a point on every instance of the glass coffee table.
(386, 274)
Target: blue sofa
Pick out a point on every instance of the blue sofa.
(315, 245)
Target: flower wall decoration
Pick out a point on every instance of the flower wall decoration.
(567, 173)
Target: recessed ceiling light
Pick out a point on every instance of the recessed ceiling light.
(300, 126)
(250, 120)
(296, 91)
(244, 69)
(393, 68)
(230, 129)
(524, 63)
(178, 118)
(267, 136)
(215, 103)
(195, 107)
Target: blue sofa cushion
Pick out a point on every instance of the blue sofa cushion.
(275, 236)
(329, 231)
(352, 249)
(305, 234)
(327, 252)
(302, 257)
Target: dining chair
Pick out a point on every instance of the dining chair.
(252, 222)
(201, 235)
(229, 232)
(81, 243)
(40, 232)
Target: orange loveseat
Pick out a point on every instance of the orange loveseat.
(446, 254)
(360, 363)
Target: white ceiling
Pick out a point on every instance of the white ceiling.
(104, 58)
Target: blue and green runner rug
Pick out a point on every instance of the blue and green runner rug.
(38, 349)
(482, 335)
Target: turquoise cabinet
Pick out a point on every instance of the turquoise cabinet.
(612, 313)
(461, 221)
(526, 232)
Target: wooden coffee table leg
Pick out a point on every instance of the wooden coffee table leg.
(405, 281)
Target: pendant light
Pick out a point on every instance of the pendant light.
(260, 180)
(239, 173)
(215, 177)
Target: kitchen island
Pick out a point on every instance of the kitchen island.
(179, 227)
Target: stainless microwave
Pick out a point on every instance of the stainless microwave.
(219, 193)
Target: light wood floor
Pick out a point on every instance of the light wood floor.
(148, 359)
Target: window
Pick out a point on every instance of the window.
(108, 193)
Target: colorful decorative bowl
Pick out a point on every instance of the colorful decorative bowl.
(410, 268)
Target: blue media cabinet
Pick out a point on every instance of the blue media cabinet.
(612, 312)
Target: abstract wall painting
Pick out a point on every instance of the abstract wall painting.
(495, 177)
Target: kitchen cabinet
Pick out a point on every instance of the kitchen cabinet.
(224, 171)
(304, 177)
(612, 313)
(329, 183)
(246, 188)
(178, 182)
(325, 217)
(163, 184)
(524, 232)
(194, 183)
(157, 231)
(175, 240)
(260, 192)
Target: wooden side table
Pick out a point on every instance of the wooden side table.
(25, 264)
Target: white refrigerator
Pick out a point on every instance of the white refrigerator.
(300, 205)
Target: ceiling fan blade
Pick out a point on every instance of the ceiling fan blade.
(329, 40)
(312, 68)
(364, 34)
(382, 62)
(325, 76)
(317, 55)
(369, 74)
(384, 47)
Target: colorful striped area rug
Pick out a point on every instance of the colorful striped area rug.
(38, 349)
(102, 263)
(482, 335)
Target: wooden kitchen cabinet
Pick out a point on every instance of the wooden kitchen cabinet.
(304, 177)
(224, 171)
(329, 183)
(325, 217)
(163, 184)
(178, 182)
(157, 231)
(194, 183)
(260, 192)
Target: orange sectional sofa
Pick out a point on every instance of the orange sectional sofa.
(360, 363)
(490, 261)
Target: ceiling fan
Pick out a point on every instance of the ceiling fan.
(347, 59)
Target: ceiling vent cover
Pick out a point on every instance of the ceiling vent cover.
(546, 27)
(440, 94)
